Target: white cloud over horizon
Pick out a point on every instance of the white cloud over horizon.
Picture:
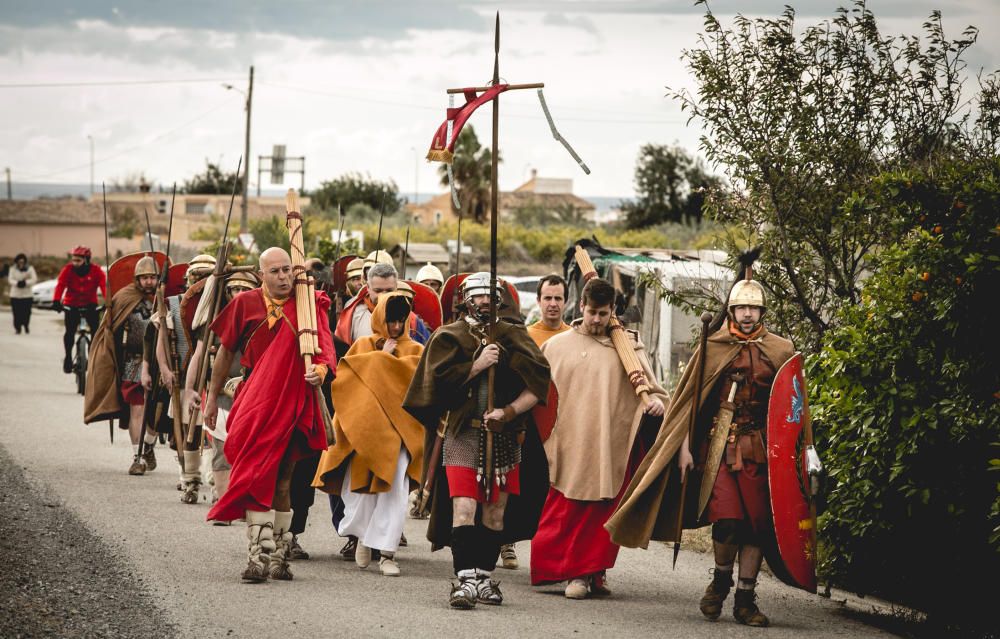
(366, 94)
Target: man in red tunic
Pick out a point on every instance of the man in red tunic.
(276, 417)
(594, 447)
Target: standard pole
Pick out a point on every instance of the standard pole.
(9, 192)
(244, 220)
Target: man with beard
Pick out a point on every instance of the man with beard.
(496, 449)
(379, 446)
(276, 418)
(76, 294)
(355, 276)
(741, 356)
(594, 447)
(117, 373)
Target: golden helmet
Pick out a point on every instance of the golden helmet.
(145, 266)
(243, 280)
(355, 268)
(200, 266)
(747, 293)
(405, 289)
(378, 257)
(429, 272)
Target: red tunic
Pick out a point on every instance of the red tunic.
(80, 290)
(571, 541)
(273, 404)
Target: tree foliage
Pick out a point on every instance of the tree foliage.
(353, 189)
(670, 186)
(214, 181)
(472, 171)
(803, 118)
(904, 395)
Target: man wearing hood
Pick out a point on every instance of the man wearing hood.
(379, 446)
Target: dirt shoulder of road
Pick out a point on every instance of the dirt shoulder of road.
(60, 579)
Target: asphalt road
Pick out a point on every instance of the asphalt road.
(190, 569)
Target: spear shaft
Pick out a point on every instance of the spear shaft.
(107, 270)
(494, 197)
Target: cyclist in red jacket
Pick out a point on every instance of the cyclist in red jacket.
(76, 294)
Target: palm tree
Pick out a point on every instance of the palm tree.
(471, 168)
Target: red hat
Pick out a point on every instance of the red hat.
(81, 251)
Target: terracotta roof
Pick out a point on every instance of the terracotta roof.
(515, 199)
(60, 211)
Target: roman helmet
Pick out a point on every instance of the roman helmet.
(145, 266)
(241, 281)
(377, 257)
(200, 267)
(478, 284)
(429, 272)
(355, 268)
(405, 289)
(747, 291)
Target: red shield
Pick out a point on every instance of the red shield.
(451, 297)
(340, 273)
(788, 427)
(426, 304)
(544, 415)
(122, 271)
(176, 279)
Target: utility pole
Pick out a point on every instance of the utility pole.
(244, 223)
(91, 139)
(9, 192)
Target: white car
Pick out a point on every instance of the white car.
(527, 292)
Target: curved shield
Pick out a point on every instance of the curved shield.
(176, 279)
(451, 299)
(544, 415)
(122, 271)
(340, 273)
(426, 304)
(791, 504)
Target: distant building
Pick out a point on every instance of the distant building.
(54, 226)
(418, 254)
(548, 194)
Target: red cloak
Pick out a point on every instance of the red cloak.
(273, 404)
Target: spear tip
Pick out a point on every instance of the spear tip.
(677, 551)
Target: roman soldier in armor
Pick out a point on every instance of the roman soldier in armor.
(495, 476)
(741, 359)
(118, 374)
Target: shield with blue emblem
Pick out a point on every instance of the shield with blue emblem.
(789, 432)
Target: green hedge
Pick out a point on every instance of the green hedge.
(905, 399)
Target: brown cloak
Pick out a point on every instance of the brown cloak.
(648, 510)
(439, 387)
(103, 399)
(369, 421)
(598, 415)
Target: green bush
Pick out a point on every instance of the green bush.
(904, 395)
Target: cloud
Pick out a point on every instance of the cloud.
(562, 20)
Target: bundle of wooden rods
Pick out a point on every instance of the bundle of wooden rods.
(626, 352)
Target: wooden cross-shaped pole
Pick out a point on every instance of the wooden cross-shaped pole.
(494, 201)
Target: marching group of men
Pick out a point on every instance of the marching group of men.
(499, 432)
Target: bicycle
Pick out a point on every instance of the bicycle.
(82, 357)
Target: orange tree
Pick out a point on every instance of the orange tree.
(905, 395)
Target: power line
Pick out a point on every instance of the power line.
(410, 105)
(133, 148)
(109, 83)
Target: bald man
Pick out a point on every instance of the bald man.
(276, 418)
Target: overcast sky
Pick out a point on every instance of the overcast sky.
(359, 86)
